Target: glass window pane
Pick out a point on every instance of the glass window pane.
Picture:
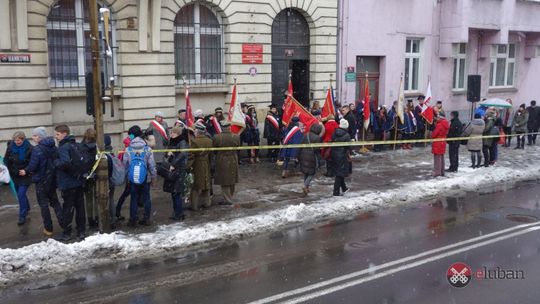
(461, 81)
(501, 66)
(185, 16)
(184, 49)
(501, 49)
(491, 73)
(63, 62)
(207, 17)
(63, 10)
(511, 51)
(416, 67)
(210, 56)
(454, 85)
(463, 48)
(510, 81)
(416, 46)
(408, 46)
(407, 60)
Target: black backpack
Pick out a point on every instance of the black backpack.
(82, 160)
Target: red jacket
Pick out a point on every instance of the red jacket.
(441, 131)
(329, 129)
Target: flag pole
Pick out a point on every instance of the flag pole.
(364, 149)
(425, 121)
(187, 121)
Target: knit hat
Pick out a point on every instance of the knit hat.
(199, 125)
(40, 132)
(108, 142)
(219, 109)
(343, 124)
(159, 113)
(182, 111)
(198, 113)
(295, 119)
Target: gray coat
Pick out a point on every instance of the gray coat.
(520, 122)
(474, 129)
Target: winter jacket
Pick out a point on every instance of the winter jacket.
(330, 128)
(534, 117)
(65, 178)
(420, 125)
(161, 142)
(14, 163)
(226, 161)
(520, 122)
(340, 155)
(310, 157)
(45, 150)
(352, 124)
(409, 127)
(138, 144)
(179, 161)
(441, 131)
(270, 130)
(488, 130)
(251, 133)
(199, 162)
(474, 129)
(456, 128)
(294, 139)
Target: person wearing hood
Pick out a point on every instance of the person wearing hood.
(341, 157)
(330, 127)
(160, 130)
(199, 164)
(89, 144)
(133, 132)
(438, 148)
(489, 130)
(456, 128)
(177, 162)
(310, 158)
(70, 184)
(520, 126)
(507, 116)
(42, 172)
(533, 124)
(226, 162)
(139, 149)
(17, 158)
(474, 131)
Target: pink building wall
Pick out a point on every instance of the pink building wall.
(380, 28)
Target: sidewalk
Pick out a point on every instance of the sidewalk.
(266, 202)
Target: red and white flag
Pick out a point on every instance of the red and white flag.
(427, 109)
(189, 113)
(236, 117)
(367, 109)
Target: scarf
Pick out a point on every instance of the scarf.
(20, 150)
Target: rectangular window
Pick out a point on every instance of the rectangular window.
(460, 62)
(412, 64)
(503, 65)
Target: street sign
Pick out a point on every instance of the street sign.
(15, 58)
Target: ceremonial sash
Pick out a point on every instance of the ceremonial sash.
(291, 133)
(273, 121)
(160, 129)
(216, 125)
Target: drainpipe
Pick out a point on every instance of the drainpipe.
(338, 51)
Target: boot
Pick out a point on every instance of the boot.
(305, 190)
(285, 174)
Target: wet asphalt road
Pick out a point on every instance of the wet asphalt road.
(372, 248)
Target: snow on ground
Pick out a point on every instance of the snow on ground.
(51, 257)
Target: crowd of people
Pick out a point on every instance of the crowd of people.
(60, 162)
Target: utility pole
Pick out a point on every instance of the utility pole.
(102, 174)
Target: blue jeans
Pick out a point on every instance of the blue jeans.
(142, 191)
(24, 205)
(178, 202)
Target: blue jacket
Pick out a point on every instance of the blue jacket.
(64, 178)
(38, 159)
(294, 140)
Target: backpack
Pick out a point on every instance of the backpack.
(137, 170)
(82, 160)
(118, 175)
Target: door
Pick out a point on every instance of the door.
(368, 66)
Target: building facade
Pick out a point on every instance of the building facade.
(156, 46)
(443, 41)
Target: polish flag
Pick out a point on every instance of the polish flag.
(236, 117)
(367, 109)
(427, 110)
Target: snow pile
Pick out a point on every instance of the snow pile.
(51, 257)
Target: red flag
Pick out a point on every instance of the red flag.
(329, 106)
(289, 93)
(294, 108)
(367, 110)
(427, 110)
(189, 113)
(236, 117)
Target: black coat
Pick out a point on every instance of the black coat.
(310, 157)
(456, 128)
(270, 131)
(352, 124)
(179, 162)
(340, 155)
(534, 117)
(14, 164)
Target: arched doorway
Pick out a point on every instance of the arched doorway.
(290, 55)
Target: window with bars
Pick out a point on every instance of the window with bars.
(198, 45)
(68, 40)
(412, 64)
(503, 65)
(460, 63)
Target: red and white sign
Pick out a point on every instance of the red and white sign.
(252, 53)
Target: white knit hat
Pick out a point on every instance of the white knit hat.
(343, 124)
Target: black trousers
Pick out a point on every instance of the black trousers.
(531, 139)
(453, 150)
(339, 182)
(74, 203)
(46, 196)
(508, 139)
(489, 154)
(272, 153)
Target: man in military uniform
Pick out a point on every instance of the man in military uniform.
(199, 164)
(226, 174)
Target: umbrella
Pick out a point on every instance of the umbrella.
(496, 102)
